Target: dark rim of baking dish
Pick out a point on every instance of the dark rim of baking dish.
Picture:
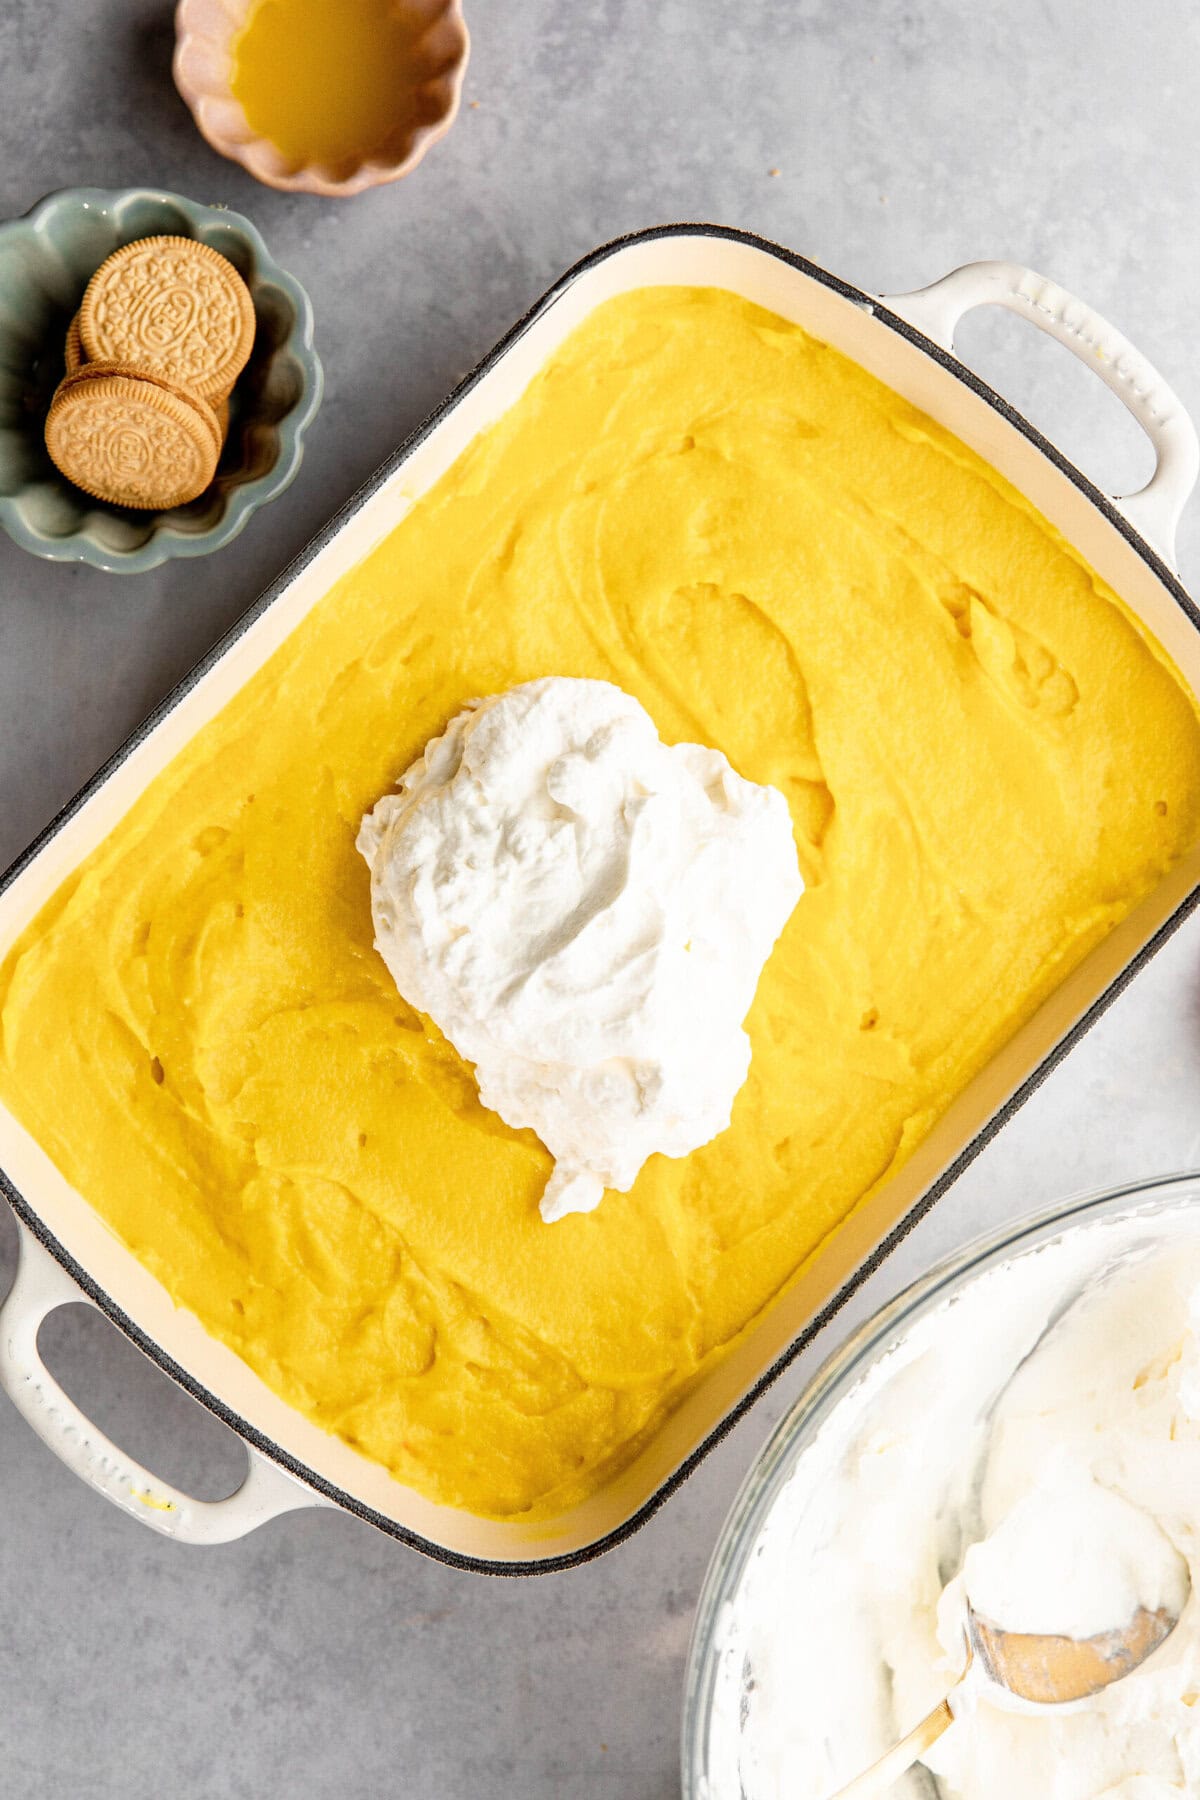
(257, 1439)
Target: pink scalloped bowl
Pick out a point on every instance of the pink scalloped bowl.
(205, 32)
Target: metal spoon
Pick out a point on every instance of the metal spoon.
(1049, 1670)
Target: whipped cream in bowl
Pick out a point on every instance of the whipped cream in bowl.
(1020, 1430)
(584, 912)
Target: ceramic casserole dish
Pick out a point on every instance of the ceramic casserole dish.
(69, 1253)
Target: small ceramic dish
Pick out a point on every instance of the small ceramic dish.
(46, 260)
(205, 33)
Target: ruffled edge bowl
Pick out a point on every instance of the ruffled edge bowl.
(46, 259)
(203, 66)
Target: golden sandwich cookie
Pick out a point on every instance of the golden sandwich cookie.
(170, 307)
(131, 439)
(73, 347)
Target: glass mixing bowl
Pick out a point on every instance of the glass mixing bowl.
(1156, 1213)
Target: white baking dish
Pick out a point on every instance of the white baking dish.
(67, 1252)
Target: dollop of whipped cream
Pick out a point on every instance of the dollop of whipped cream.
(584, 911)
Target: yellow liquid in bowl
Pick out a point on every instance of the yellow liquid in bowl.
(988, 763)
(334, 82)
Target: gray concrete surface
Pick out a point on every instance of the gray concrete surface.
(317, 1658)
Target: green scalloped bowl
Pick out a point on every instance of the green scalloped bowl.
(46, 260)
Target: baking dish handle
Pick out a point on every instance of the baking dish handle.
(40, 1288)
(1155, 510)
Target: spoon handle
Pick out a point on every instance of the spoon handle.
(875, 1781)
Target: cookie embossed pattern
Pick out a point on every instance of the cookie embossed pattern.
(174, 308)
(121, 437)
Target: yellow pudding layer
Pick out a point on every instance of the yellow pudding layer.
(988, 763)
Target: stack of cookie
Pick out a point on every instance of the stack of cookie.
(164, 331)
